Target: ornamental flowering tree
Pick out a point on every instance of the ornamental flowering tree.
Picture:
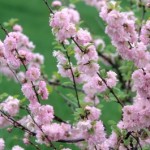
(84, 61)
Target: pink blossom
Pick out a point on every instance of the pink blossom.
(94, 100)
(89, 54)
(3, 122)
(78, 76)
(21, 77)
(53, 131)
(141, 80)
(74, 15)
(17, 147)
(6, 72)
(33, 74)
(91, 68)
(103, 146)
(43, 114)
(145, 33)
(56, 3)
(99, 43)
(10, 43)
(96, 3)
(112, 140)
(38, 58)
(2, 144)
(60, 57)
(27, 121)
(12, 61)
(64, 70)
(26, 141)
(28, 92)
(17, 27)
(10, 105)
(43, 91)
(83, 36)
(93, 113)
(111, 79)
(63, 23)
(26, 56)
(98, 137)
(2, 48)
(141, 57)
(66, 32)
(84, 125)
(60, 19)
(94, 85)
(131, 118)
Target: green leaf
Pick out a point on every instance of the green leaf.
(127, 141)
(50, 89)
(111, 122)
(78, 113)
(116, 130)
(10, 22)
(3, 96)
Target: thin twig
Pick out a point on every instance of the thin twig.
(71, 140)
(17, 124)
(111, 90)
(137, 140)
(116, 67)
(64, 86)
(73, 77)
(37, 148)
(77, 44)
(142, 18)
(14, 73)
(6, 32)
(51, 11)
(51, 144)
(33, 86)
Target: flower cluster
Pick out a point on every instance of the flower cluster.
(85, 72)
(63, 23)
(145, 33)
(132, 45)
(78, 60)
(16, 51)
(11, 107)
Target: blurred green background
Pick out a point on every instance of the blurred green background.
(33, 15)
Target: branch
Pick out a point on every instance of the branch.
(17, 124)
(77, 44)
(51, 11)
(143, 15)
(64, 86)
(33, 86)
(73, 77)
(116, 67)
(36, 147)
(111, 90)
(51, 144)
(59, 119)
(5, 31)
(71, 141)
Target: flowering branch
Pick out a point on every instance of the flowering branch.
(87, 131)
(111, 90)
(17, 124)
